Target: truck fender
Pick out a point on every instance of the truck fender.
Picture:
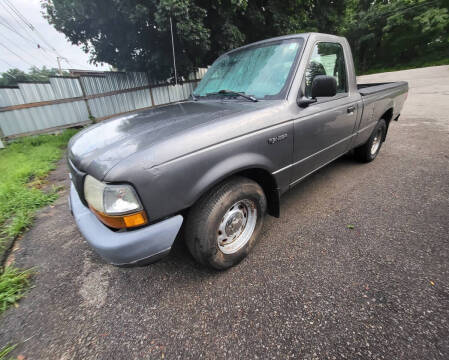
(242, 164)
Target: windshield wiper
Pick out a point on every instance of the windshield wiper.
(230, 92)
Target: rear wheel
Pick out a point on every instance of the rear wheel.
(368, 151)
(223, 226)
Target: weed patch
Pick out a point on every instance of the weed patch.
(23, 166)
(13, 285)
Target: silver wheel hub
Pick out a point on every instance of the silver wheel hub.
(376, 142)
(237, 226)
(234, 224)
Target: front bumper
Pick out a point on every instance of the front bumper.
(135, 247)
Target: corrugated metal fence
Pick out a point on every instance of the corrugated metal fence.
(32, 108)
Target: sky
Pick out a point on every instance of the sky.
(26, 52)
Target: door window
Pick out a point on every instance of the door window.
(327, 59)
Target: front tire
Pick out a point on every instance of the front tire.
(368, 151)
(223, 226)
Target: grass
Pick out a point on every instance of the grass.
(24, 164)
(23, 167)
(13, 285)
(5, 351)
(418, 63)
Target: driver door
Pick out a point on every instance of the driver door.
(323, 130)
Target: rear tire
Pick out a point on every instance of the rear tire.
(368, 151)
(223, 226)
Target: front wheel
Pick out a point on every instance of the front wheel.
(223, 226)
(368, 151)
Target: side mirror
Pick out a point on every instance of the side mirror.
(305, 101)
(322, 86)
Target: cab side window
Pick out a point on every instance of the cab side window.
(327, 59)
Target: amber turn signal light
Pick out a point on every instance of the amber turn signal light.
(121, 221)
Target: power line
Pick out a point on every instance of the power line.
(20, 57)
(30, 25)
(25, 51)
(5, 73)
(8, 26)
(6, 23)
(30, 31)
(28, 28)
(29, 38)
(7, 63)
(22, 27)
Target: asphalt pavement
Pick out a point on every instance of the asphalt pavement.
(357, 267)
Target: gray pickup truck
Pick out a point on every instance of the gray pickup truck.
(264, 117)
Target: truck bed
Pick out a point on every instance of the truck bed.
(380, 100)
(368, 89)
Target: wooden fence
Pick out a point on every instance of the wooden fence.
(32, 108)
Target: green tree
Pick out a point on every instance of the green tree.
(386, 33)
(135, 35)
(13, 76)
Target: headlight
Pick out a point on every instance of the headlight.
(115, 205)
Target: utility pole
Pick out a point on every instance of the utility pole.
(59, 65)
(173, 48)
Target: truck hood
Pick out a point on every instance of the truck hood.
(100, 147)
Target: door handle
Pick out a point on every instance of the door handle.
(350, 109)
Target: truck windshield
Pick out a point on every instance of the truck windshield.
(261, 71)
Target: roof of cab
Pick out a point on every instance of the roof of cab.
(304, 36)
